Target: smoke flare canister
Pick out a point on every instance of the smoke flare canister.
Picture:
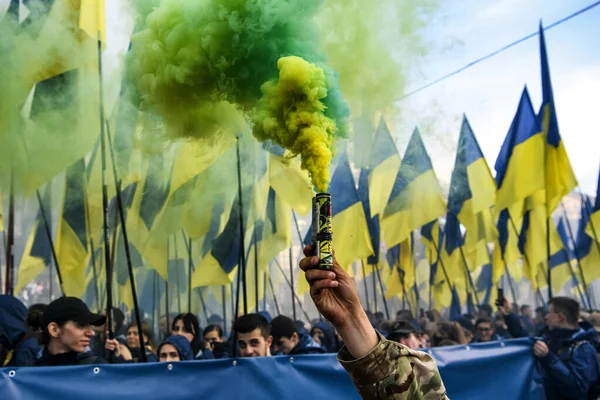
(322, 232)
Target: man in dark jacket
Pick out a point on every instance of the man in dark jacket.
(19, 347)
(566, 352)
(289, 341)
(66, 333)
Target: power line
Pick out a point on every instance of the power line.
(500, 50)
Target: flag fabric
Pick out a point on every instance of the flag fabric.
(592, 227)
(290, 182)
(399, 262)
(276, 234)
(416, 198)
(92, 19)
(384, 164)
(472, 196)
(432, 236)
(452, 257)
(587, 248)
(559, 176)
(485, 284)
(372, 222)
(72, 234)
(560, 260)
(520, 163)
(38, 252)
(506, 253)
(348, 218)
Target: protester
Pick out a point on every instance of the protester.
(175, 348)
(187, 325)
(527, 319)
(288, 340)
(253, 335)
(406, 333)
(379, 368)
(566, 352)
(500, 326)
(594, 320)
(540, 321)
(448, 334)
(133, 342)
(34, 320)
(66, 333)
(18, 344)
(484, 331)
(324, 334)
(485, 311)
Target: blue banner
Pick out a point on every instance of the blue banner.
(482, 371)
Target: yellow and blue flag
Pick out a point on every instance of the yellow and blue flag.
(592, 227)
(520, 163)
(38, 252)
(506, 248)
(72, 233)
(559, 176)
(452, 257)
(560, 260)
(373, 221)
(416, 198)
(588, 249)
(402, 276)
(384, 164)
(485, 284)
(433, 237)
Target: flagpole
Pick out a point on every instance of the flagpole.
(362, 264)
(49, 236)
(224, 304)
(10, 259)
(121, 216)
(469, 276)
(177, 275)
(385, 304)
(414, 264)
(242, 236)
(274, 296)
(290, 285)
(430, 285)
(167, 287)
(590, 223)
(255, 265)
(375, 290)
(265, 291)
(442, 264)
(190, 270)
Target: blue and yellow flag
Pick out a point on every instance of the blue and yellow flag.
(432, 236)
(560, 260)
(520, 163)
(472, 196)
(416, 198)
(452, 257)
(276, 234)
(588, 249)
(559, 176)
(372, 222)
(72, 234)
(506, 248)
(402, 276)
(384, 164)
(348, 218)
(592, 227)
(485, 284)
(38, 252)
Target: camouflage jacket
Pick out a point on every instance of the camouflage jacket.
(393, 371)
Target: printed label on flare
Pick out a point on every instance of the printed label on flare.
(322, 231)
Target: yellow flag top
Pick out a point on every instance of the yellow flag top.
(291, 113)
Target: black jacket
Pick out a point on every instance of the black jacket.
(45, 359)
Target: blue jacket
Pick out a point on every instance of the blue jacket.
(307, 345)
(571, 366)
(13, 332)
(183, 346)
(329, 341)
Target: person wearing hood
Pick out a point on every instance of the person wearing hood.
(175, 348)
(324, 334)
(566, 352)
(289, 341)
(66, 333)
(18, 347)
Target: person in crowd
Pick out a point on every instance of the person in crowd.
(378, 318)
(34, 320)
(289, 341)
(467, 322)
(175, 348)
(324, 334)
(98, 341)
(302, 326)
(406, 333)
(133, 342)
(215, 341)
(566, 352)
(468, 334)
(379, 368)
(118, 319)
(448, 334)
(163, 328)
(500, 326)
(540, 320)
(66, 333)
(594, 320)
(527, 319)
(216, 319)
(485, 311)
(18, 340)
(253, 335)
(187, 325)
(485, 331)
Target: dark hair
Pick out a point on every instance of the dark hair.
(483, 320)
(524, 307)
(211, 328)
(45, 337)
(146, 331)
(566, 306)
(402, 330)
(249, 322)
(283, 327)
(539, 310)
(191, 325)
(34, 316)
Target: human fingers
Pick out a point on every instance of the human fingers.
(308, 263)
(316, 287)
(313, 275)
(308, 250)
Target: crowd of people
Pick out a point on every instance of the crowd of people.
(65, 332)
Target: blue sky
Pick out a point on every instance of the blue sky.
(489, 92)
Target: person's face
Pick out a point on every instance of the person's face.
(425, 341)
(318, 334)
(213, 337)
(485, 332)
(553, 319)
(179, 330)
(133, 338)
(286, 345)
(72, 336)
(527, 312)
(411, 341)
(168, 353)
(253, 344)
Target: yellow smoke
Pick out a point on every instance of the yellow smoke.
(291, 113)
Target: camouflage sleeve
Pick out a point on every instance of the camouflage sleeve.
(393, 371)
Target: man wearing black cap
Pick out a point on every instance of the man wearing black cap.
(66, 333)
(406, 333)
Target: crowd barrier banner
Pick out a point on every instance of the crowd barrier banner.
(485, 371)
